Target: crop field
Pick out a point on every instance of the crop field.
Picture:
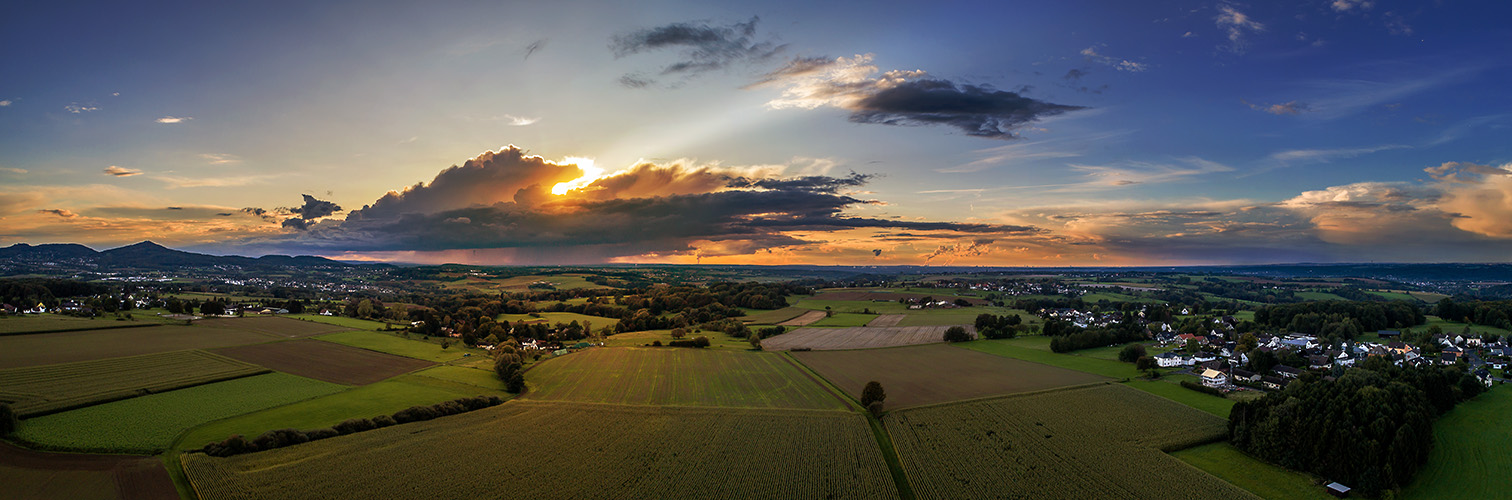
(804, 319)
(55, 323)
(772, 317)
(1469, 457)
(553, 318)
(149, 423)
(478, 377)
(326, 361)
(717, 340)
(393, 344)
(858, 337)
(359, 324)
(889, 296)
(652, 452)
(1105, 441)
(1027, 349)
(1268, 481)
(962, 316)
(929, 374)
(886, 320)
(1170, 388)
(382, 398)
(51, 388)
(32, 475)
(845, 320)
(1448, 327)
(678, 376)
(273, 325)
(18, 351)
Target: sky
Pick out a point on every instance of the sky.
(1077, 133)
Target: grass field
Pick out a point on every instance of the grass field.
(50, 348)
(273, 325)
(382, 398)
(360, 324)
(553, 318)
(53, 322)
(862, 337)
(589, 451)
(1448, 327)
(394, 344)
(679, 377)
(1469, 457)
(477, 377)
(962, 316)
(1104, 441)
(1027, 349)
(772, 317)
(852, 306)
(149, 424)
(1393, 295)
(1268, 481)
(939, 373)
(717, 340)
(1171, 389)
(845, 320)
(51, 388)
(328, 361)
(1318, 296)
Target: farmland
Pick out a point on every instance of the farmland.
(717, 340)
(938, 373)
(393, 344)
(1469, 457)
(887, 320)
(1104, 441)
(272, 325)
(47, 389)
(354, 323)
(772, 317)
(651, 453)
(804, 319)
(149, 423)
(679, 377)
(552, 318)
(845, 319)
(326, 361)
(857, 337)
(55, 323)
(87, 345)
(1037, 349)
(1263, 479)
(31, 475)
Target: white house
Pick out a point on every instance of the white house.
(1214, 378)
(1170, 359)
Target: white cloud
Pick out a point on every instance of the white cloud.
(1348, 5)
(121, 171)
(1324, 155)
(4, 103)
(170, 120)
(220, 158)
(520, 121)
(1237, 25)
(1138, 172)
(1117, 63)
(174, 182)
(77, 108)
(11, 170)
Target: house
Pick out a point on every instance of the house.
(1448, 358)
(8, 309)
(1284, 371)
(1214, 378)
(1318, 362)
(1203, 357)
(1338, 490)
(1241, 375)
(1484, 376)
(1273, 383)
(36, 310)
(1170, 359)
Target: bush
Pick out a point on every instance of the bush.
(957, 334)
(8, 420)
(1201, 388)
(875, 408)
(355, 425)
(322, 433)
(1131, 353)
(384, 421)
(279, 438)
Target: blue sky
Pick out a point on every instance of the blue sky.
(1057, 133)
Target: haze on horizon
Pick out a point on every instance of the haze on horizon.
(1080, 133)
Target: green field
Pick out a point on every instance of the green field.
(1456, 327)
(150, 423)
(1170, 388)
(678, 376)
(552, 318)
(53, 322)
(853, 306)
(1393, 295)
(760, 317)
(1104, 441)
(1469, 457)
(360, 324)
(962, 316)
(382, 398)
(477, 377)
(51, 388)
(717, 340)
(1318, 296)
(1261, 478)
(845, 320)
(547, 451)
(1036, 349)
(393, 344)
(86, 345)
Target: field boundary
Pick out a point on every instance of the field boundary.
(62, 330)
(823, 382)
(147, 392)
(1016, 395)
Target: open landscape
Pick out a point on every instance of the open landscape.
(861, 337)
(933, 374)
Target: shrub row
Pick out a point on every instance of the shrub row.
(236, 444)
(1201, 388)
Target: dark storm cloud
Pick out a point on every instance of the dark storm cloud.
(978, 111)
(813, 183)
(314, 209)
(703, 47)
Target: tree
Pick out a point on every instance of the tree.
(212, 308)
(1247, 342)
(679, 333)
(1145, 364)
(875, 408)
(516, 383)
(1131, 353)
(872, 393)
(8, 421)
(365, 309)
(755, 340)
(828, 312)
(956, 334)
(507, 363)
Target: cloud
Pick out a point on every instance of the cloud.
(1338, 98)
(1286, 108)
(1325, 155)
(77, 108)
(176, 182)
(1237, 25)
(534, 46)
(220, 158)
(12, 170)
(908, 98)
(171, 120)
(1116, 63)
(1347, 5)
(520, 121)
(314, 209)
(1129, 173)
(121, 171)
(66, 214)
(702, 47)
(5, 102)
(1478, 196)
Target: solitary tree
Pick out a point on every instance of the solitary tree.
(1131, 353)
(872, 393)
(1145, 363)
(755, 339)
(956, 334)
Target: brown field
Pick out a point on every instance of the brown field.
(39, 390)
(805, 319)
(861, 337)
(273, 325)
(326, 361)
(930, 374)
(32, 475)
(49, 348)
(891, 296)
(887, 320)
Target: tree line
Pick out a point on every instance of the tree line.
(1339, 319)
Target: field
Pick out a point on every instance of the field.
(360, 324)
(31, 475)
(1037, 349)
(890, 296)
(55, 323)
(1099, 442)
(858, 337)
(326, 361)
(678, 376)
(1450, 327)
(1263, 479)
(717, 340)
(52, 388)
(938, 373)
(149, 423)
(963, 316)
(273, 325)
(804, 319)
(382, 398)
(51, 348)
(1171, 389)
(773, 317)
(650, 453)
(887, 320)
(845, 320)
(1469, 457)
(393, 344)
(553, 318)
(1318, 296)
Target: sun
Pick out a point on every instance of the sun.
(590, 174)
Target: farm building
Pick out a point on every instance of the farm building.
(1338, 490)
